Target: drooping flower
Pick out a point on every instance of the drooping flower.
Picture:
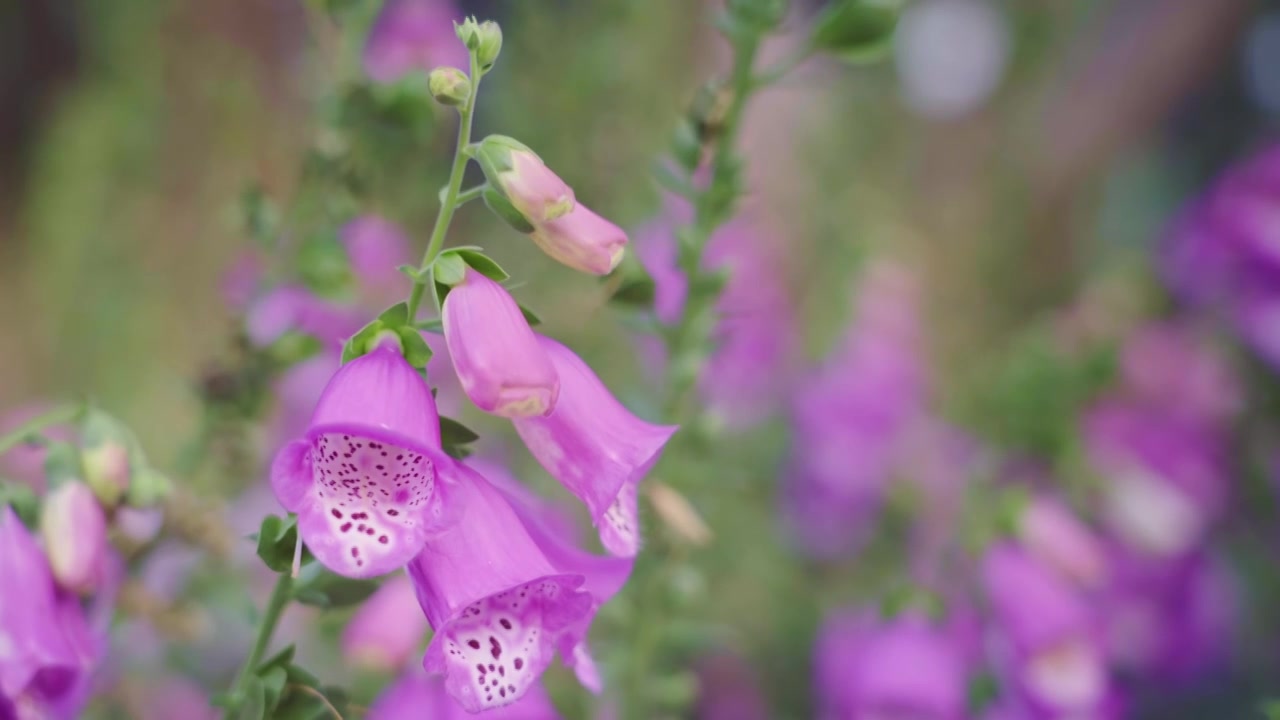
(537, 193)
(413, 35)
(417, 695)
(376, 247)
(495, 354)
(503, 596)
(1049, 641)
(595, 447)
(387, 629)
(852, 417)
(363, 480)
(905, 667)
(582, 240)
(49, 648)
(74, 529)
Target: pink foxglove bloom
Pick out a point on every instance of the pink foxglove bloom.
(387, 629)
(596, 448)
(533, 189)
(496, 355)
(375, 248)
(1164, 365)
(503, 598)
(904, 667)
(1049, 643)
(1059, 540)
(582, 240)
(363, 480)
(49, 648)
(413, 35)
(74, 529)
(294, 308)
(418, 696)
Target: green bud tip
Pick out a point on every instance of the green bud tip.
(449, 85)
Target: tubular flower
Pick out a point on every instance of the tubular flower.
(363, 480)
(496, 356)
(49, 648)
(387, 629)
(582, 240)
(417, 695)
(412, 35)
(503, 597)
(74, 529)
(533, 189)
(595, 447)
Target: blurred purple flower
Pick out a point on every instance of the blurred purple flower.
(728, 689)
(292, 307)
(363, 479)
(901, 668)
(1056, 538)
(595, 447)
(376, 247)
(1165, 365)
(413, 35)
(495, 354)
(417, 696)
(25, 463)
(852, 415)
(174, 698)
(1049, 644)
(387, 629)
(241, 281)
(503, 596)
(48, 646)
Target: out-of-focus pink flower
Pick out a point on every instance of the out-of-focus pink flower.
(74, 529)
(387, 629)
(291, 307)
(376, 247)
(1165, 365)
(1058, 539)
(413, 35)
(241, 281)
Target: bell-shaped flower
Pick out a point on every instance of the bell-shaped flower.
(595, 447)
(363, 479)
(387, 629)
(74, 529)
(503, 596)
(536, 192)
(48, 646)
(413, 35)
(905, 667)
(417, 695)
(495, 354)
(582, 240)
(1049, 640)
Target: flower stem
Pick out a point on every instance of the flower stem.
(266, 628)
(470, 194)
(56, 416)
(451, 198)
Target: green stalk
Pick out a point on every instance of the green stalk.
(56, 416)
(270, 619)
(450, 201)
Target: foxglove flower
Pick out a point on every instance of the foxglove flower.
(1059, 540)
(416, 696)
(582, 240)
(537, 193)
(74, 529)
(1050, 643)
(412, 35)
(503, 597)
(363, 480)
(495, 354)
(292, 307)
(376, 247)
(1164, 365)
(905, 667)
(48, 645)
(387, 629)
(595, 447)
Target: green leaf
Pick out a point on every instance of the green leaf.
(416, 351)
(22, 499)
(329, 590)
(273, 682)
(482, 264)
(62, 463)
(635, 291)
(253, 705)
(449, 269)
(857, 31)
(498, 203)
(280, 659)
(395, 316)
(686, 145)
(412, 272)
(300, 676)
(277, 539)
(455, 437)
(530, 316)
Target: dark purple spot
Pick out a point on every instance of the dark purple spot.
(519, 663)
(495, 648)
(506, 624)
(336, 513)
(475, 644)
(355, 552)
(383, 539)
(345, 527)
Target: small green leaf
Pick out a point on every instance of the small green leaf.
(412, 272)
(498, 203)
(254, 703)
(482, 264)
(358, 344)
(455, 437)
(449, 269)
(280, 659)
(324, 589)
(686, 145)
(62, 463)
(530, 316)
(22, 499)
(395, 316)
(277, 539)
(273, 682)
(635, 291)
(416, 351)
(300, 676)
(857, 31)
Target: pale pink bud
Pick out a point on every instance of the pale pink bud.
(74, 530)
(534, 190)
(582, 240)
(106, 470)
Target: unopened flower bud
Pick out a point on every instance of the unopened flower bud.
(106, 470)
(482, 38)
(524, 180)
(74, 530)
(449, 85)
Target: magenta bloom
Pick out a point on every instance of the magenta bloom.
(582, 240)
(375, 248)
(1050, 642)
(387, 629)
(1061, 541)
(413, 35)
(363, 480)
(74, 529)
(291, 307)
(904, 668)
(533, 189)
(495, 354)
(48, 646)
(595, 447)
(417, 696)
(503, 597)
